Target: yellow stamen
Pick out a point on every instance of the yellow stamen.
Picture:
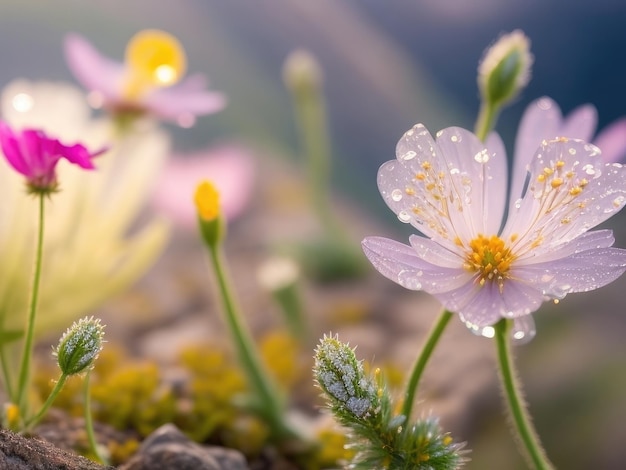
(153, 59)
(490, 258)
(556, 182)
(207, 200)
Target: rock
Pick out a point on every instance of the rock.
(168, 448)
(22, 453)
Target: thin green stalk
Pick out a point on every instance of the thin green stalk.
(486, 119)
(6, 376)
(523, 424)
(270, 404)
(420, 364)
(22, 392)
(89, 421)
(53, 394)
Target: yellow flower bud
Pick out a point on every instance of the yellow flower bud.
(212, 226)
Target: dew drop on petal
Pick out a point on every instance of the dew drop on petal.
(396, 195)
(572, 151)
(454, 171)
(409, 155)
(618, 201)
(589, 169)
(523, 329)
(482, 156)
(404, 217)
(518, 203)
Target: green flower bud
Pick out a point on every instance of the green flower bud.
(340, 375)
(301, 72)
(505, 68)
(79, 346)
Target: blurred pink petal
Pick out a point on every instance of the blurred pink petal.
(94, 71)
(612, 141)
(180, 103)
(230, 168)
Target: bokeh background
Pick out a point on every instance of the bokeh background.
(387, 65)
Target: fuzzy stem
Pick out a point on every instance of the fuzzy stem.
(89, 421)
(270, 405)
(420, 364)
(53, 394)
(22, 393)
(486, 119)
(523, 424)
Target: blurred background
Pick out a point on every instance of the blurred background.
(388, 65)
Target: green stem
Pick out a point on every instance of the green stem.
(313, 130)
(486, 119)
(22, 392)
(270, 405)
(53, 394)
(89, 421)
(420, 364)
(526, 432)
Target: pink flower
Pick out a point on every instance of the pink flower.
(230, 167)
(35, 155)
(543, 120)
(487, 259)
(117, 87)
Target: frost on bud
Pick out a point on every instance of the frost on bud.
(340, 375)
(505, 68)
(79, 346)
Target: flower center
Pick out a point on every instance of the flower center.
(153, 59)
(490, 258)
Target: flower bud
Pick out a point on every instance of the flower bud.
(505, 68)
(79, 346)
(340, 375)
(210, 218)
(301, 72)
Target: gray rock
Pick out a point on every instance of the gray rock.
(22, 453)
(167, 448)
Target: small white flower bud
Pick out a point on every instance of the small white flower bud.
(505, 68)
(80, 345)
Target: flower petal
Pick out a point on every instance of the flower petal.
(440, 187)
(579, 124)
(570, 191)
(612, 141)
(401, 264)
(94, 71)
(578, 272)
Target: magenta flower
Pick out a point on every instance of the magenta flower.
(143, 86)
(35, 155)
(487, 259)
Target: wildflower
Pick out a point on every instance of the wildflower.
(147, 81)
(35, 155)
(487, 260)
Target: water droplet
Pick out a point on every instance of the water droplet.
(482, 156)
(396, 195)
(618, 201)
(404, 216)
(409, 133)
(409, 155)
(518, 203)
(544, 104)
(454, 171)
(572, 151)
(589, 169)
(455, 138)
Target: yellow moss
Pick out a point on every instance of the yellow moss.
(281, 354)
